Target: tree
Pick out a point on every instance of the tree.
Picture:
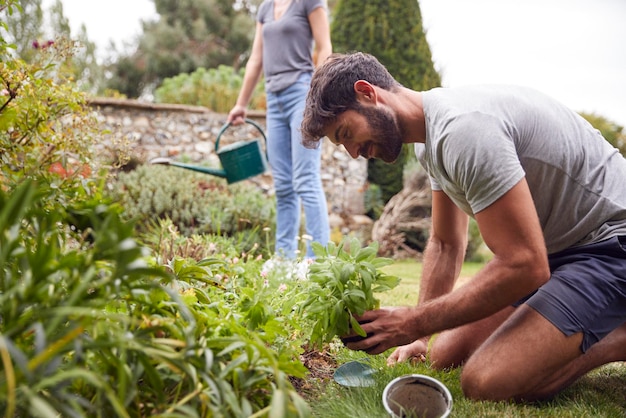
(24, 28)
(392, 31)
(188, 35)
(31, 30)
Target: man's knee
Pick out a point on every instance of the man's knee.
(479, 382)
(448, 351)
(487, 378)
(453, 348)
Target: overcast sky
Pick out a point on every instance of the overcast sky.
(573, 50)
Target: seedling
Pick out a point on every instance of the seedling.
(344, 279)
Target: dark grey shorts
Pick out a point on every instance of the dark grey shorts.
(587, 290)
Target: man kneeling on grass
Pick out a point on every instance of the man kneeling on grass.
(548, 194)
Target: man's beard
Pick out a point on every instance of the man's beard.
(385, 131)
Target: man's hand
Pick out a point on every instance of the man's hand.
(385, 328)
(414, 352)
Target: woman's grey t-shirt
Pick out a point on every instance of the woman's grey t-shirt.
(482, 140)
(287, 43)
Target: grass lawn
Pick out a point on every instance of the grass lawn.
(602, 393)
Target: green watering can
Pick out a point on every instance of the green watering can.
(240, 160)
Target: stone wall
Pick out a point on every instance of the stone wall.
(190, 132)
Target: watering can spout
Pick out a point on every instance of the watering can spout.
(240, 160)
(206, 170)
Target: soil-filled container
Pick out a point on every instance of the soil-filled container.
(417, 396)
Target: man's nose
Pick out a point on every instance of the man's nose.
(352, 149)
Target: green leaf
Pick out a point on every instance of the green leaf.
(355, 247)
(357, 327)
(385, 282)
(277, 406)
(318, 249)
(17, 204)
(347, 271)
(366, 253)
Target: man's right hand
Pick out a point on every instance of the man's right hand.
(414, 352)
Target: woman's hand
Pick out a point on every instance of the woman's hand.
(237, 115)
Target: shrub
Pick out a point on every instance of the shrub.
(45, 127)
(196, 203)
(167, 243)
(215, 88)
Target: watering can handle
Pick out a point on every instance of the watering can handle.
(227, 124)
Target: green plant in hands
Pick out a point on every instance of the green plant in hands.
(343, 279)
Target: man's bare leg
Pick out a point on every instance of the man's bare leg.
(610, 349)
(528, 358)
(453, 347)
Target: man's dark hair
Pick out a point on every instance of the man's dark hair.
(332, 90)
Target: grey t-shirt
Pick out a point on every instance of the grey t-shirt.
(482, 140)
(287, 43)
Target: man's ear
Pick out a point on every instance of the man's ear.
(365, 92)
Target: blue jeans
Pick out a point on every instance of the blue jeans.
(295, 170)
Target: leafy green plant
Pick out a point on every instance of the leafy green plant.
(92, 327)
(46, 129)
(91, 324)
(344, 279)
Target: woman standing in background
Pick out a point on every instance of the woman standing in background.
(282, 51)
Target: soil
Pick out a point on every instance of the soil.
(321, 366)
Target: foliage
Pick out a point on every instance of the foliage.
(216, 89)
(387, 177)
(611, 131)
(373, 201)
(167, 243)
(344, 279)
(31, 30)
(392, 31)
(90, 329)
(196, 203)
(23, 27)
(45, 127)
(188, 35)
(91, 325)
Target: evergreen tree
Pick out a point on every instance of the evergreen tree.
(392, 31)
